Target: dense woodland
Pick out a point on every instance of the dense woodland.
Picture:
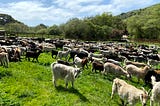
(141, 24)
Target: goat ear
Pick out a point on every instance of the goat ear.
(149, 92)
(75, 66)
(141, 96)
(143, 88)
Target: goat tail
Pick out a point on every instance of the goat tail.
(52, 65)
(114, 87)
(153, 79)
(7, 60)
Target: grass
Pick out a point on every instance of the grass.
(30, 84)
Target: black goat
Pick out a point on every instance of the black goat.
(72, 54)
(33, 54)
(54, 52)
(148, 77)
(59, 45)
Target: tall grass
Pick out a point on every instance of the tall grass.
(30, 84)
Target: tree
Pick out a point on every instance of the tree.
(75, 28)
(145, 24)
(54, 30)
(16, 28)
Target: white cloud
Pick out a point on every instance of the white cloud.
(51, 12)
(35, 11)
(128, 5)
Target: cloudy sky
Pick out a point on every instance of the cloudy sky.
(50, 12)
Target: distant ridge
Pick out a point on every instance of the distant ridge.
(147, 10)
(5, 19)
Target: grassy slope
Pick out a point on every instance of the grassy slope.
(30, 84)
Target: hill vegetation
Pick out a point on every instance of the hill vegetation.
(141, 24)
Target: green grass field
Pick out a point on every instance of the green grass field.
(30, 84)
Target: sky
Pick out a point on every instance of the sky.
(51, 12)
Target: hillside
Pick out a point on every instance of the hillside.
(144, 11)
(5, 19)
(143, 23)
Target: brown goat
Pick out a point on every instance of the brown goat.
(96, 65)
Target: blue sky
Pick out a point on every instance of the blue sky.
(50, 12)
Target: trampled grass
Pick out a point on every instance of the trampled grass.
(30, 84)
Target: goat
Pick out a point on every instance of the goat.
(54, 52)
(72, 54)
(4, 59)
(114, 62)
(82, 54)
(65, 62)
(95, 55)
(59, 44)
(129, 92)
(155, 96)
(61, 71)
(48, 48)
(138, 64)
(152, 62)
(15, 54)
(103, 59)
(81, 62)
(96, 65)
(33, 54)
(154, 73)
(138, 72)
(63, 54)
(114, 69)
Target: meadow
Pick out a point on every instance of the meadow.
(29, 83)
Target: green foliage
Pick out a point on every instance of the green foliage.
(75, 28)
(54, 30)
(99, 27)
(16, 28)
(145, 23)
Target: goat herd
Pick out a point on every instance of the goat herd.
(118, 59)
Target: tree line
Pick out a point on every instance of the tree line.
(99, 27)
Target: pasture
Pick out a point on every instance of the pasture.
(30, 84)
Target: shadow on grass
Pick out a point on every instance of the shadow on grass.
(74, 91)
(109, 77)
(44, 64)
(5, 73)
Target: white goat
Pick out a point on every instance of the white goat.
(114, 69)
(80, 62)
(77, 61)
(114, 62)
(128, 92)
(136, 71)
(4, 59)
(138, 64)
(103, 59)
(61, 71)
(65, 48)
(48, 48)
(95, 55)
(155, 96)
(63, 54)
